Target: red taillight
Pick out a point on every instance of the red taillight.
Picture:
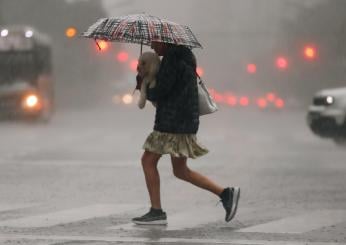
(244, 101)
(218, 97)
(270, 97)
(122, 57)
(251, 68)
(279, 103)
(261, 102)
(133, 65)
(200, 71)
(282, 63)
(231, 100)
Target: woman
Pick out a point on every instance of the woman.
(176, 125)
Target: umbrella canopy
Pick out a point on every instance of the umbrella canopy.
(141, 29)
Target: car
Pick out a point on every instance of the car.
(326, 116)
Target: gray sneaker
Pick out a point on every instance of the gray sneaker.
(230, 202)
(153, 217)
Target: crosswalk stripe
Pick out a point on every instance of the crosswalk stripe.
(69, 216)
(302, 223)
(166, 240)
(181, 221)
(10, 207)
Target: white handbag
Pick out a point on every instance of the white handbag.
(206, 103)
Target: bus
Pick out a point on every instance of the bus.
(26, 85)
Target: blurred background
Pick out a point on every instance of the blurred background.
(254, 54)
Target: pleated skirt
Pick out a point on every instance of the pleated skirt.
(177, 145)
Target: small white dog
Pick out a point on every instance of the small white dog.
(148, 66)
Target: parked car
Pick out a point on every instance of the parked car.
(327, 115)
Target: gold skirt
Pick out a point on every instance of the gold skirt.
(177, 145)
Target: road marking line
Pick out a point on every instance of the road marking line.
(9, 237)
(302, 223)
(69, 216)
(181, 221)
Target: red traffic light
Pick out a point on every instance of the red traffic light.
(281, 63)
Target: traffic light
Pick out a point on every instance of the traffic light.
(310, 52)
(70, 32)
(281, 63)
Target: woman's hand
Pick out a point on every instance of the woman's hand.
(139, 81)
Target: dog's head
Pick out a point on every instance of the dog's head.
(148, 64)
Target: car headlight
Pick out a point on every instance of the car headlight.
(329, 100)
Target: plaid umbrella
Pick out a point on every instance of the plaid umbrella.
(141, 29)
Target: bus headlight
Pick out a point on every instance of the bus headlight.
(31, 102)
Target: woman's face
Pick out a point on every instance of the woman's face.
(159, 48)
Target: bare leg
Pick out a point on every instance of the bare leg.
(152, 177)
(181, 171)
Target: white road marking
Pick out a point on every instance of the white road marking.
(181, 221)
(302, 223)
(69, 216)
(5, 237)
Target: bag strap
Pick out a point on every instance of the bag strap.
(200, 79)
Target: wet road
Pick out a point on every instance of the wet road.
(78, 180)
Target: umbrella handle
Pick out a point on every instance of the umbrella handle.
(98, 45)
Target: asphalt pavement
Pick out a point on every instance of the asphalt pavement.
(78, 180)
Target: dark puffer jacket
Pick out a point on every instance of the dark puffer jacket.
(176, 93)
